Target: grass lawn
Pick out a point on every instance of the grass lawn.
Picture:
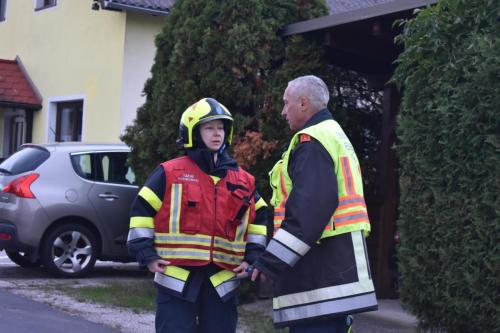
(139, 296)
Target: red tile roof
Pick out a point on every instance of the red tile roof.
(15, 87)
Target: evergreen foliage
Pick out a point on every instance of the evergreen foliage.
(222, 49)
(231, 50)
(449, 128)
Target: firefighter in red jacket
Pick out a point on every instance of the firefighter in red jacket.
(198, 223)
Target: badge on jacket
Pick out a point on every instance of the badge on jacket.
(305, 138)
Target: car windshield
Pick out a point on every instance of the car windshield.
(27, 159)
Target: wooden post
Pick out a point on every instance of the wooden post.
(389, 189)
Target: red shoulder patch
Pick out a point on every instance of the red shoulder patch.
(305, 138)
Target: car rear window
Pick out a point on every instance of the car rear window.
(27, 159)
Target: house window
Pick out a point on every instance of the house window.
(3, 5)
(69, 121)
(42, 4)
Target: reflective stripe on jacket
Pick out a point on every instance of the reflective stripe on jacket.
(175, 279)
(342, 285)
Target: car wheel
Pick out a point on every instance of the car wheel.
(69, 250)
(22, 259)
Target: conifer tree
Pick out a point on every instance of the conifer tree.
(229, 50)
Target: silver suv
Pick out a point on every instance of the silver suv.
(65, 205)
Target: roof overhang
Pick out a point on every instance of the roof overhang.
(122, 5)
(14, 105)
(18, 90)
(354, 16)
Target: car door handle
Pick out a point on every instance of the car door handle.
(108, 196)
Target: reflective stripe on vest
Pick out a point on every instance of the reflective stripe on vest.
(176, 245)
(175, 207)
(351, 214)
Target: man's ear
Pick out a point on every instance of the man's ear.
(304, 103)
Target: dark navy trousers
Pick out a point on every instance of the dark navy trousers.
(207, 315)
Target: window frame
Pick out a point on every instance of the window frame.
(52, 101)
(77, 129)
(44, 4)
(3, 10)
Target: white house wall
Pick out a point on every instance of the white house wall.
(138, 58)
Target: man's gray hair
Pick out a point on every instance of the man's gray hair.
(312, 87)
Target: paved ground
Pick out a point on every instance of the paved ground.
(33, 283)
(22, 315)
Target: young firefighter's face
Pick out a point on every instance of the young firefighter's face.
(212, 134)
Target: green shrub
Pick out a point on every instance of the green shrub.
(449, 149)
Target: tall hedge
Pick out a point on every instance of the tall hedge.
(449, 132)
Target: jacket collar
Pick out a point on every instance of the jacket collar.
(204, 158)
(317, 118)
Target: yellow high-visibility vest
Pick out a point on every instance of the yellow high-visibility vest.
(351, 214)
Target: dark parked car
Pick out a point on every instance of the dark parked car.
(65, 205)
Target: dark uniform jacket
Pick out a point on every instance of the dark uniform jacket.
(309, 207)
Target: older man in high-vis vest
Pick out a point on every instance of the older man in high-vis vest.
(317, 257)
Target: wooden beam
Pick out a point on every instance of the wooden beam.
(353, 16)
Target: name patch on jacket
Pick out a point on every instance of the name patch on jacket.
(188, 178)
